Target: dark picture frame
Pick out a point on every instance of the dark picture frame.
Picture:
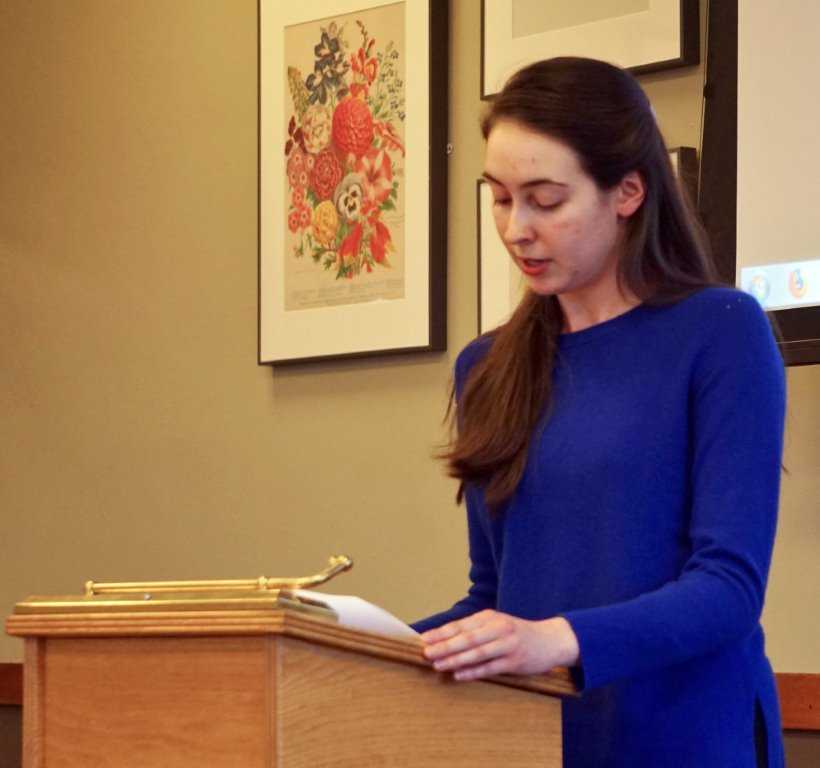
(685, 165)
(619, 39)
(798, 329)
(346, 329)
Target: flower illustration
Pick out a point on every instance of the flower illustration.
(349, 249)
(297, 169)
(344, 153)
(380, 242)
(348, 197)
(328, 70)
(327, 173)
(352, 126)
(293, 221)
(325, 223)
(376, 171)
(316, 125)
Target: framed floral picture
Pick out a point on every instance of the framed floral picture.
(352, 181)
(639, 35)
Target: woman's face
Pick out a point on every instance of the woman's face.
(561, 230)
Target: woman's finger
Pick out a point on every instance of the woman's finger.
(447, 631)
(475, 655)
(465, 635)
(497, 666)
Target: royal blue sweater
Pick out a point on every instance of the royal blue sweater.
(646, 517)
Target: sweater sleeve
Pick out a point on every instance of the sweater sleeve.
(483, 576)
(737, 403)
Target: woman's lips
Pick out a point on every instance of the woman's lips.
(532, 267)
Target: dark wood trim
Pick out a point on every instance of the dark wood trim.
(797, 329)
(717, 196)
(799, 701)
(439, 92)
(11, 684)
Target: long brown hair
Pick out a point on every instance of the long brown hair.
(601, 113)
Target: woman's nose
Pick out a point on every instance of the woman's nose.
(517, 227)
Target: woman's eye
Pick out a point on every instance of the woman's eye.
(501, 201)
(546, 206)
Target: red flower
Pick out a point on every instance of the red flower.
(380, 242)
(349, 248)
(362, 66)
(327, 173)
(352, 126)
(358, 90)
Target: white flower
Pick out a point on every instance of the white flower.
(316, 127)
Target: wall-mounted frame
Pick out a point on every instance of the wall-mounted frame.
(500, 283)
(352, 178)
(685, 165)
(639, 35)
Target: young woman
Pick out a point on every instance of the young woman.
(618, 444)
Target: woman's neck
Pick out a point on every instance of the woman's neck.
(584, 311)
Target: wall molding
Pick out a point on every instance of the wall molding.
(799, 701)
(799, 696)
(11, 684)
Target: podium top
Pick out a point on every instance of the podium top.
(278, 618)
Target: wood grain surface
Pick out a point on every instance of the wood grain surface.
(347, 710)
(153, 703)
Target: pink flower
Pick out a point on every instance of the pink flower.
(293, 221)
(377, 173)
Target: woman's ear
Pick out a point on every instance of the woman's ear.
(630, 194)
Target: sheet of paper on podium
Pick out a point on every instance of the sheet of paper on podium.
(356, 613)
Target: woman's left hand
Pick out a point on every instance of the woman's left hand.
(493, 643)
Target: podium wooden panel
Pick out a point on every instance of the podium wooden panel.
(275, 689)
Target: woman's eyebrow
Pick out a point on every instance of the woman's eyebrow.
(531, 183)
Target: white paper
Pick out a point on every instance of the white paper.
(358, 614)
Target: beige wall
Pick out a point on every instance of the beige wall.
(140, 439)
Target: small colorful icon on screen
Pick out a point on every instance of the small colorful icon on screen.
(759, 288)
(797, 285)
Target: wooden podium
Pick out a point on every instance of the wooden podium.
(267, 688)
